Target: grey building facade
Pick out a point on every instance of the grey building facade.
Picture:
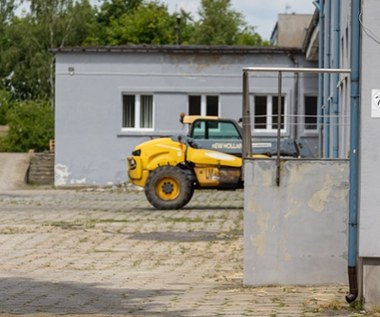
(369, 201)
(344, 34)
(109, 99)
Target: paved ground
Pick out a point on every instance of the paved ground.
(108, 253)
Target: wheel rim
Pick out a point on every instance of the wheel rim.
(167, 188)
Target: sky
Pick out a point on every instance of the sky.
(262, 14)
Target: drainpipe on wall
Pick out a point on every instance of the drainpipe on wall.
(354, 153)
(319, 6)
(336, 64)
(327, 81)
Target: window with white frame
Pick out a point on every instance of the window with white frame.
(266, 113)
(137, 111)
(205, 105)
(311, 112)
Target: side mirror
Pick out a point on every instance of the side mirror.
(181, 139)
(192, 143)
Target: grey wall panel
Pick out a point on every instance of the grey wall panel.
(295, 233)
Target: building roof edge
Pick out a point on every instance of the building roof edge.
(178, 49)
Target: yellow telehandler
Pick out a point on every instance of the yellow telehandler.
(171, 168)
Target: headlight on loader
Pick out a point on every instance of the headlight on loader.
(134, 168)
(132, 163)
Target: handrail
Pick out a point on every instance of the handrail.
(247, 130)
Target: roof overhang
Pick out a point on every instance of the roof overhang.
(311, 42)
(313, 46)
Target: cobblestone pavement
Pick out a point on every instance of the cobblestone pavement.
(108, 253)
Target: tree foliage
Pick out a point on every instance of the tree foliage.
(27, 65)
(220, 24)
(5, 102)
(31, 126)
(122, 22)
(7, 11)
(149, 23)
(114, 9)
(25, 62)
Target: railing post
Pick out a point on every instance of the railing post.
(279, 106)
(247, 138)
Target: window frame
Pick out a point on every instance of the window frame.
(306, 130)
(269, 129)
(205, 130)
(138, 112)
(203, 105)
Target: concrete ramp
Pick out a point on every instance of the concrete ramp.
(13, 169)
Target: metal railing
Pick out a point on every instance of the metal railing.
(246, 116)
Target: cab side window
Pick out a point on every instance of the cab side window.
(215, 130)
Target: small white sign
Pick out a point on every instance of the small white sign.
(261, 145)
(375, 103)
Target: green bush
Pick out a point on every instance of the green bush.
(4, 106)
(31, 126)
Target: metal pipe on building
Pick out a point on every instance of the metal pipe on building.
(354, 153)
(335, 80)
(320, 8)
(327, 80)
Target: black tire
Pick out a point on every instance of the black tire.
(168, 187)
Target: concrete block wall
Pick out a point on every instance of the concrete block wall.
(295, 233)
(41, 169)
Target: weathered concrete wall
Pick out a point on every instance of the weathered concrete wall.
(295, 233)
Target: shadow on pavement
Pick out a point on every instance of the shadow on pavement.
(26, 296)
